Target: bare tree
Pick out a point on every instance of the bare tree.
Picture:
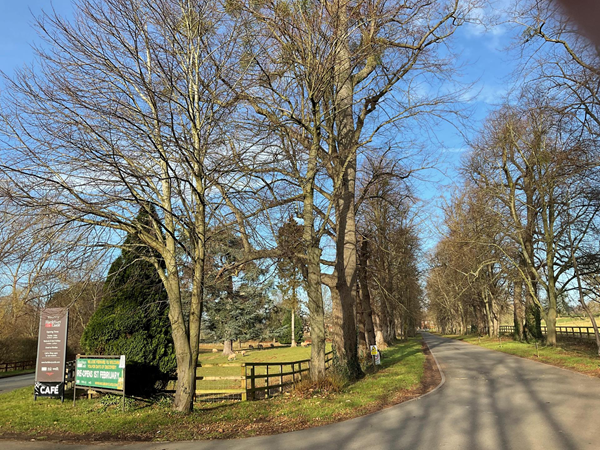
(127, 110)
(40, 257)
(559, 58)
(320, 71)
(469, 259)
(527, 159)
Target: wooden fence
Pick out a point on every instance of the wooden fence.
(17, 365)
(572, 332)
(255, 380)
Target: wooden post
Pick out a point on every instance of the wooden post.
(244, 383)
(267, 382)
(281, 378)
(75, 380)
(124, 389)
(252, 383)
(293, 374)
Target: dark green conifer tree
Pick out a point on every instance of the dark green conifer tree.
(132, 319)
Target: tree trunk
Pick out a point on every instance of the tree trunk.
(365, 295)
(228, 347)
(360, 322)
(587, 310)
(411, 318)
(293, 344)
(346, 269)
(379, 338)
(518, 309)
(197, 300)
(389, 330)
(337, 319)
(317, 314)
(387, 310)
(186, 358)
(488, 317)
(346, 242)
(551, 314)
(592, 319)
(533, 319)
(186, 382)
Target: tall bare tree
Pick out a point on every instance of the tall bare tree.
(126, 110)
(529, 158)
(321, 70)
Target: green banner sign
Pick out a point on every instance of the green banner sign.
(101, 373)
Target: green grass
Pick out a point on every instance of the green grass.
(277, 354)
(578, 356)
(12, 373)
(400, 376)
(270, 355)
(583, 321)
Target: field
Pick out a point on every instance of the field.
(574, 321)
(398, 379)
(276, 354)
(568, 321)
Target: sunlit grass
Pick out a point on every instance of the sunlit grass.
(579, 321)
(401, 372)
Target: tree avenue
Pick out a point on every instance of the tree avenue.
(226, 119)
(522, 230)
(316, 72)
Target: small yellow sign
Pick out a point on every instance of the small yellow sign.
(373, 350)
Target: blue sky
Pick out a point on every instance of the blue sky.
(16, 29)
(481, 55)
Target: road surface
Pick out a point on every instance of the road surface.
(16, 382)
(489, 400)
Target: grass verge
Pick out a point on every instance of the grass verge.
(12, 373)
(580, 357)
(400, 378)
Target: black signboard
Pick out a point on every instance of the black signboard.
(51, 354)
(49, 389)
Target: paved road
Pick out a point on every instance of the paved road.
(489, 401)
(10, 383)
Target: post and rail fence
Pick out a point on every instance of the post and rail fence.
(17, 365)
(255, 380)
(571, 332)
